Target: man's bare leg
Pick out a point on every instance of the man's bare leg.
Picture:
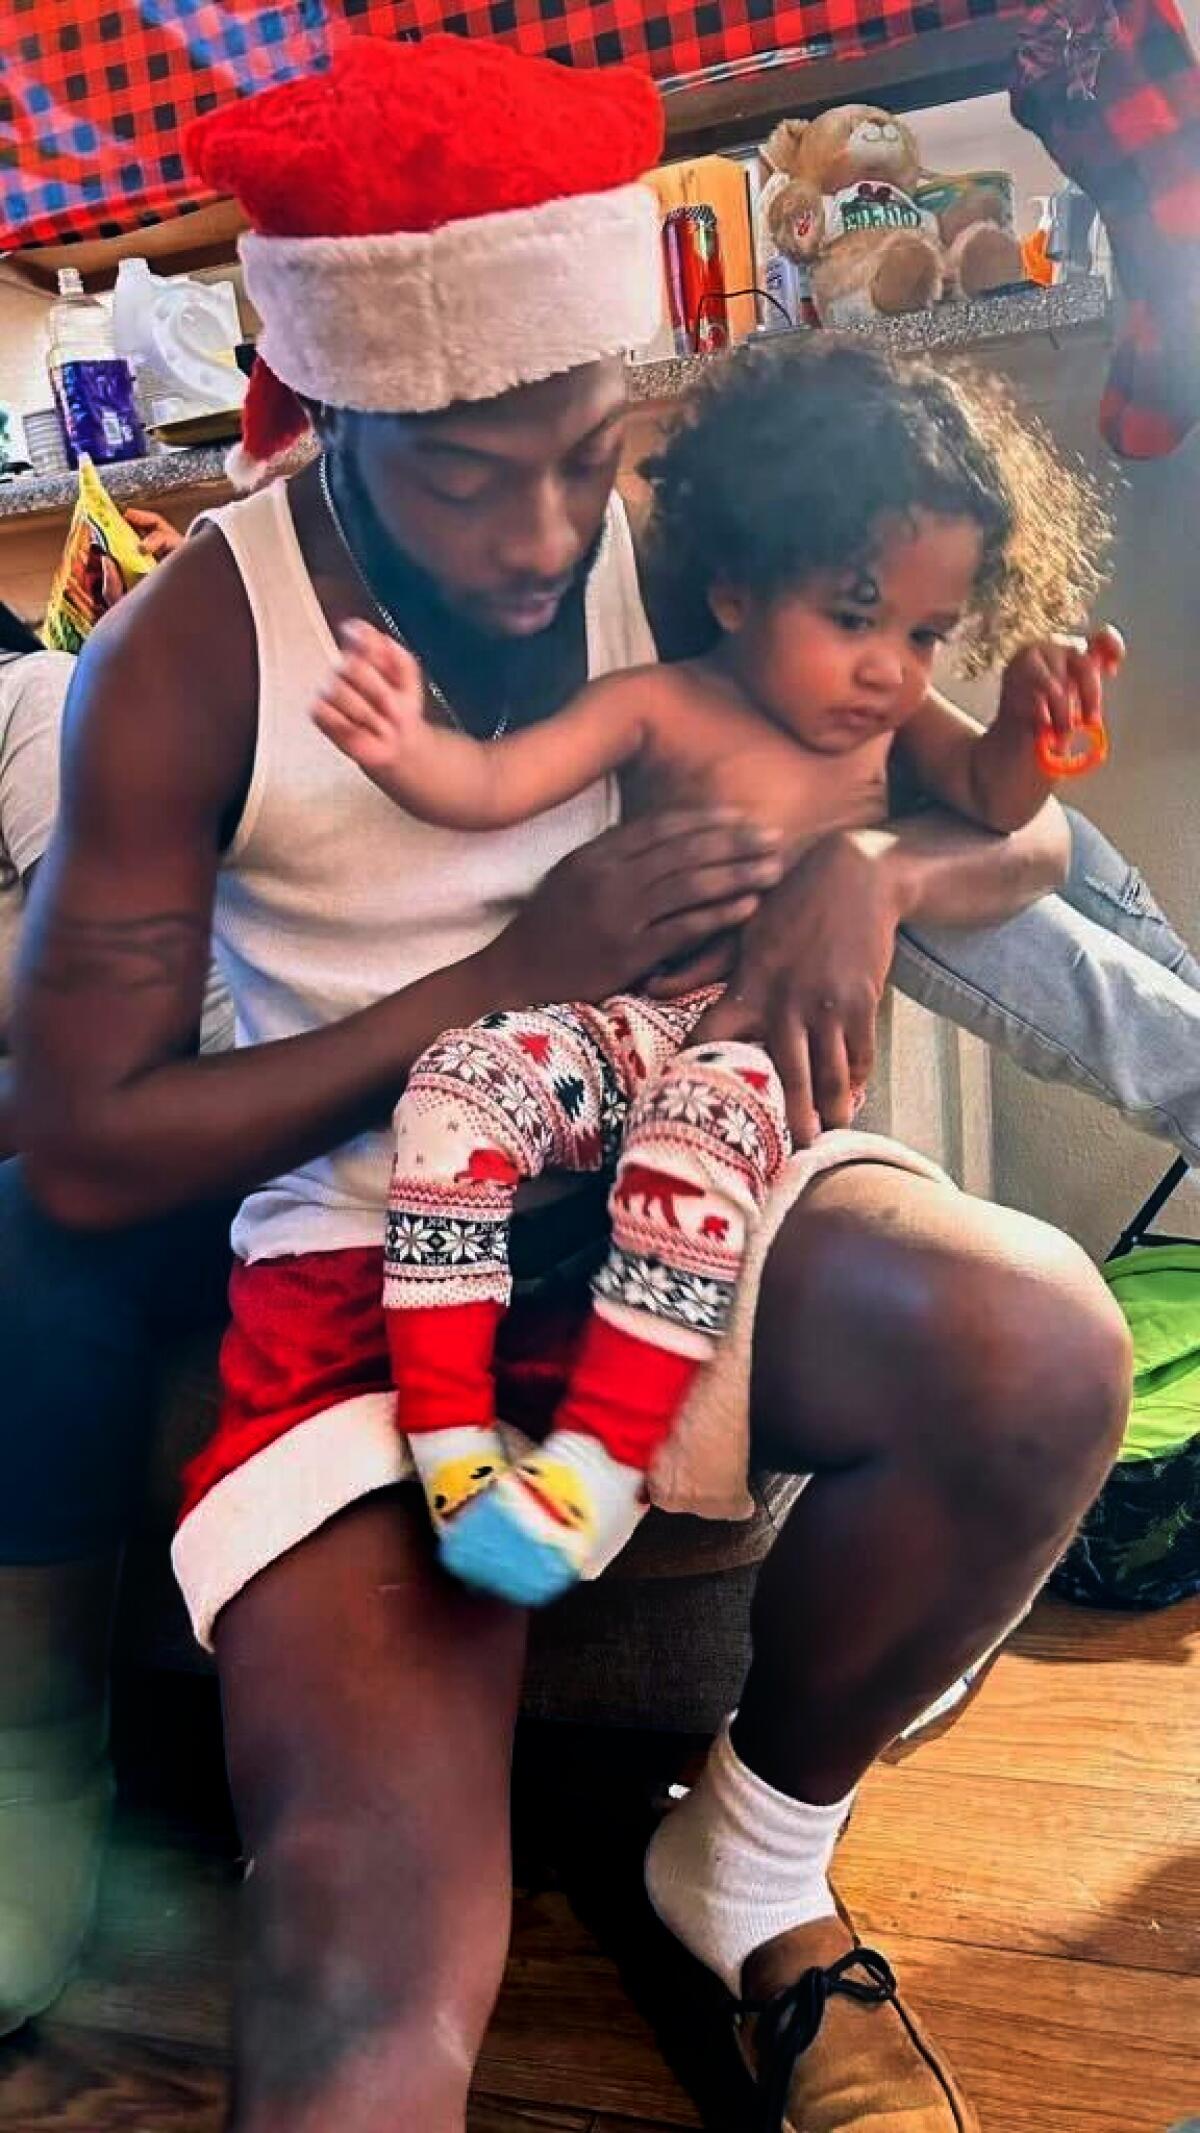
(955, 1378)
(369, 1708)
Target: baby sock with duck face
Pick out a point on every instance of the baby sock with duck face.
(445, 1401)
(574, 1501)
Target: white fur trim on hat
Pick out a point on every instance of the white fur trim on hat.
(413, 323)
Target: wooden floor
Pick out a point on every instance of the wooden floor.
(1035, 1876)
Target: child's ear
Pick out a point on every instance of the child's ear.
(730, 606)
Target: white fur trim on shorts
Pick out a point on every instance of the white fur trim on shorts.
(291, 1488)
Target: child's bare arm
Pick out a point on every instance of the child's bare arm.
(993, 775)
(372, 706)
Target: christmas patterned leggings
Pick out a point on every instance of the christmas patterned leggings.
(695, 1139)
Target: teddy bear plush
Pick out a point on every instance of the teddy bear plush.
(847, 197)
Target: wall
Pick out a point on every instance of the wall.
(23, 323)
(1057, 1154)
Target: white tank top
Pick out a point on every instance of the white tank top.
(331, 897)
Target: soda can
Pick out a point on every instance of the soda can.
(789, 286)
(695, 280)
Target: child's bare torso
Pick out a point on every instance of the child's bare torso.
(707, 746)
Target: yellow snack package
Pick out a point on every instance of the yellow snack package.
(102, 560)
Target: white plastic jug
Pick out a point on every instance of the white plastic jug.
(179, 335)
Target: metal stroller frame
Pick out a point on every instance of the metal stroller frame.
(1139, 1230)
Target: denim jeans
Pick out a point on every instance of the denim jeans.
(1091, 987)
(82, 1320)
(1104, 887)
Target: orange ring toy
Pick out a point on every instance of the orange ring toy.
(1086, 750)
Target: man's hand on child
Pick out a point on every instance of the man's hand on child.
(811, 972)
(648, 895)
(1056, 685)
(372, 703)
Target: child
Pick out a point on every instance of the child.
(847, 516)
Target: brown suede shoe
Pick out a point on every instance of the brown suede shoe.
(832, 2049)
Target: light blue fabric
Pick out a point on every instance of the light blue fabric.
(486, 1547)
(1092, 987)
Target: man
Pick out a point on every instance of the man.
(953, 1377)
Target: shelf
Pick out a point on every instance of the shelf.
(179, 244)
(1074, 307)
(705, 116)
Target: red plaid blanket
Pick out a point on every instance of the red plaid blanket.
(94, 94)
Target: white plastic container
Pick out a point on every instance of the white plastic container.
(179, 336)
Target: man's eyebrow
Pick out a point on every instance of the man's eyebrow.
(430, 445)
(606, 422)
(447, 448)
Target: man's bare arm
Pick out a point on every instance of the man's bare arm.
(951, 873)
(813, 965)
(116, 1116)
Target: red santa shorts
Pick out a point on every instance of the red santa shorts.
(308, 1419)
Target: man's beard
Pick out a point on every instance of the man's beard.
(399, 579)
(480, 669)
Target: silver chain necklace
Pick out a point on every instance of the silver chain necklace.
(389, 620)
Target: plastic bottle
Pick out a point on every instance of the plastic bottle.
(133, 302)
(92, 385)
(1072, 228)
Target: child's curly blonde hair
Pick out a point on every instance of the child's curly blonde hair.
(792, 458)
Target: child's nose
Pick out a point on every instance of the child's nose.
(882, 668)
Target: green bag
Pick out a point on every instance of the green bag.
(1139, 1546)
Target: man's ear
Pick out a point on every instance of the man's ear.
(730, 606)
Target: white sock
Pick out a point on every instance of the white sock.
(456, 1465)
(738, 1863)
(595, 1494)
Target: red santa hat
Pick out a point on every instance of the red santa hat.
(434, 222)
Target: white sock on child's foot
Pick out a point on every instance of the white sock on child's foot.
(737, 1863)
(455, 1466)
(572, 1493)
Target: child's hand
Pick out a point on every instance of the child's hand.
(372, 703)
(157, 535)
(1055, 686)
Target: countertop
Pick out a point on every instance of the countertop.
(128, 481)
(1081, 305)
(1074, 306)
